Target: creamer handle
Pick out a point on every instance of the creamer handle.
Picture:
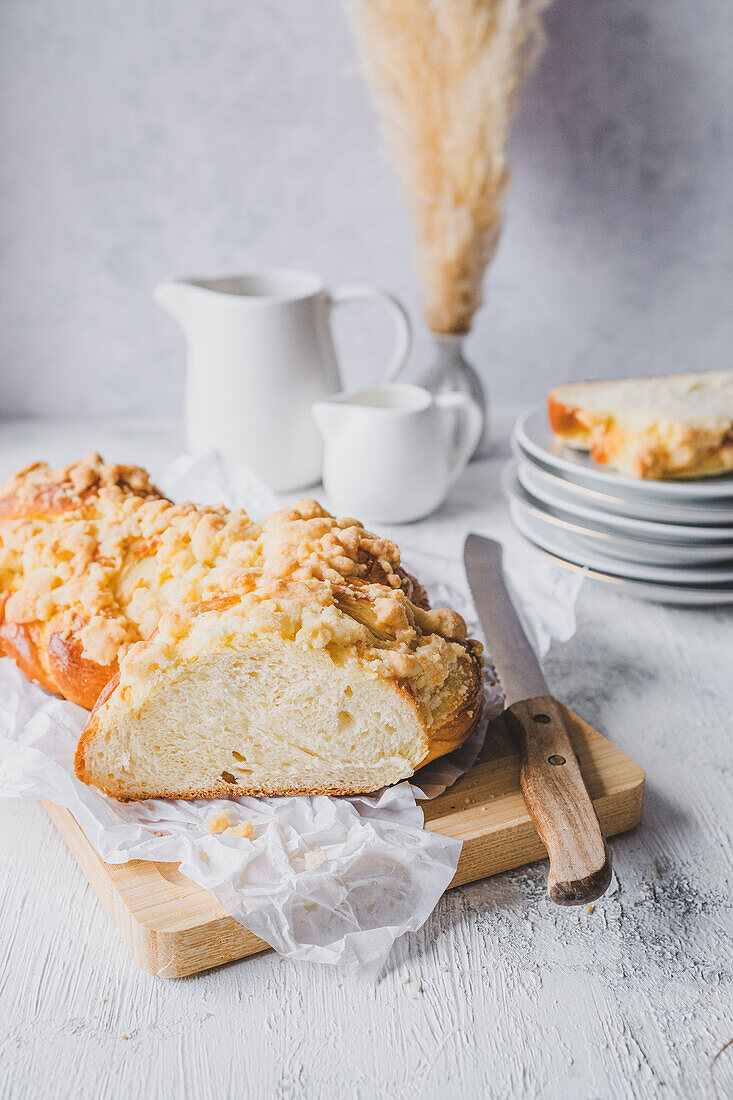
(470, 425)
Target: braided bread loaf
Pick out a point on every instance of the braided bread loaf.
(223, 656)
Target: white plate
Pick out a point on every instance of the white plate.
(554, 489)
(655, 593)
(617, 546)
(656, 531)
(562, 543)
(534, 435)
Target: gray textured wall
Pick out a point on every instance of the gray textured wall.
(157, 136)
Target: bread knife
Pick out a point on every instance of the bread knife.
(552, 785)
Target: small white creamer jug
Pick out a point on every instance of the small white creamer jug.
(260, 352)
(393, 451)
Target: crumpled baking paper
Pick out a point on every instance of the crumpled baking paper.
(322, 879)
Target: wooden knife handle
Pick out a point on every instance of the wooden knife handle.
(558, 802)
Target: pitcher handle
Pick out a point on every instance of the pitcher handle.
(470, 426)
(359, 292)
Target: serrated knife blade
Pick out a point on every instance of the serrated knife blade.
(513, 657)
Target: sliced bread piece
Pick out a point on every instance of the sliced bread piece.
(678, 426)
(226, 700)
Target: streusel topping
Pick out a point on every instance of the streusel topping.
(97, 543)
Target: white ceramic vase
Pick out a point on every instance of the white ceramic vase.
(449, 372)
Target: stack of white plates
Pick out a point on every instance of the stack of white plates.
(670, 541)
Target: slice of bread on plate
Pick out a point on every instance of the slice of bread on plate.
(221, 656)
(678, 426)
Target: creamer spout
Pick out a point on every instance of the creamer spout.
(327, 415)
(176, 297)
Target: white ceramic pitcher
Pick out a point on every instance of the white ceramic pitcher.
(393, 451)
(260, 352)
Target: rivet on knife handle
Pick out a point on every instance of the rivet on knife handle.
(558, 802)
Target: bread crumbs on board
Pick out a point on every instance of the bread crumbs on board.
(219, 822)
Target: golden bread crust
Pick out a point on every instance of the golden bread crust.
(37, 490)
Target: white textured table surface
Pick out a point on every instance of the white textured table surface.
(517, 998)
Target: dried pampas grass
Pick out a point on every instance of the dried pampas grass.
(447, 74)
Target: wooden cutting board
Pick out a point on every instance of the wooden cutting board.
(175, 928)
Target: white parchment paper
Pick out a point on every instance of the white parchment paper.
(327, 880)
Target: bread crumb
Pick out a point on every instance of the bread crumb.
(590, 908)
(443, 969)
(405, 980)
(314, 858)
(244, 828)
(219, 823)
(415, 988)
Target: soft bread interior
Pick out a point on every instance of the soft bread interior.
(699, 400)
(261, 720)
